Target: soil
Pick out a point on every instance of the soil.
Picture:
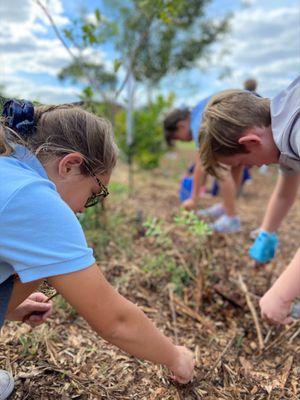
(189, 286)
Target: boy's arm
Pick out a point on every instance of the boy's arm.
(281, 201)
(198, 181)
(119, 321)
(282, 198)
(276, 303)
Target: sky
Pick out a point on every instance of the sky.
(263, 43)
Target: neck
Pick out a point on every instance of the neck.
(273, 149)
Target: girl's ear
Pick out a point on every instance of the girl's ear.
(70, 164)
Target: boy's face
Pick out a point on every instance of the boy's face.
(183, 132)
(260, 146)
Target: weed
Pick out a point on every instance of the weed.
(154, 228)
(161, 265)
(194, 225)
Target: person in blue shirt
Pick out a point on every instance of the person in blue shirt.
(184, 125)
(56, 161)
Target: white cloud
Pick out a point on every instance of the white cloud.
(263, 43)
(25, 50)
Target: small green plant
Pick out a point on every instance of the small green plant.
(161, 265)
(194, 225)
(154, 228)
(29, 344)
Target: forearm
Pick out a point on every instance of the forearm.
(288, 284)
(136, 334)
(281, 200)
(112, 316)
(199, 178)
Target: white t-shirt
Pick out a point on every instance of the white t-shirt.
(285, 120)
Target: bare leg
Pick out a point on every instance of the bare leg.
(237, 175)
(228, 192)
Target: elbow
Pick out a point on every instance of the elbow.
(118, 325)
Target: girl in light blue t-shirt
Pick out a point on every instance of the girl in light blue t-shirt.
(54, 162)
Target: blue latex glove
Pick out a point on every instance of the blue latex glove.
(264, 247)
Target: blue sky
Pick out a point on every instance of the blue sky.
(264, 42)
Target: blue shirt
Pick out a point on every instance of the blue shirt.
(40, 235)
(196, 119)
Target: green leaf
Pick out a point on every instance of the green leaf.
(117, 65)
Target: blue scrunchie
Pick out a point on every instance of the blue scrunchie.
(264, 247)
(20, 116)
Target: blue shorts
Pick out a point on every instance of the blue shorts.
(6, 288)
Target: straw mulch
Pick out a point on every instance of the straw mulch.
(211, 306)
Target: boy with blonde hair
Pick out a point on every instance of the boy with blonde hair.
(240, 128)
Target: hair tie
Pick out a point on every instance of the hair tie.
(20, 115)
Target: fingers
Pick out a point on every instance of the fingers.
(47, 314)
(38, 296)
(35, 306)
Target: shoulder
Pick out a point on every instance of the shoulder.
(17, 183)
(35, 195)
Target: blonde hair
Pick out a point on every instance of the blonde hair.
(64, 129)
(226, 117)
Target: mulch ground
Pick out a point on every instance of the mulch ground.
(198, 290)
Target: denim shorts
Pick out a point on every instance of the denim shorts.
(6, 288)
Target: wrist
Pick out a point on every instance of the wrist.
(282, 293)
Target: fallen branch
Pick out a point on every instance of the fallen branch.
(252, 311)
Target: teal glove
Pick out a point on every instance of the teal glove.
(264, 247)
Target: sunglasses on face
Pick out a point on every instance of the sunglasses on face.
(95, 197)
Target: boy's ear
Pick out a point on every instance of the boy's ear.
(250, 140)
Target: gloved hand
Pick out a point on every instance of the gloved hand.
(264, 247)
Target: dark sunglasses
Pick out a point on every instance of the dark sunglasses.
(102, 193)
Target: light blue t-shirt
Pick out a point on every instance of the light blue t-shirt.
(40, 235)
(196, 119)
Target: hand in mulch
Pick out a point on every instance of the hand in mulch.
(183, 368)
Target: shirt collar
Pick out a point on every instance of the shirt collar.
(26, 157)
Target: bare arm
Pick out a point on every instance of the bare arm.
(199, 177)
(276, 303)
(118, 320)
(198, 181)
(281, 201)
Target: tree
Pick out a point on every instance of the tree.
(160, 36)
(150, 38)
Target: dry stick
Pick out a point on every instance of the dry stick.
(51, 297)
(294, 336)
(173, 312)
(278, 339)
(199, 286)
(220, 357)
(253, 312)
(286, 372)
(192, 313)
